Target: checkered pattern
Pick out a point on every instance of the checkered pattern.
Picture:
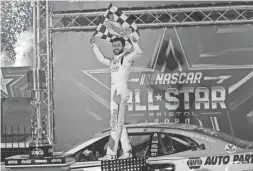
(119, 23)
(133, 164)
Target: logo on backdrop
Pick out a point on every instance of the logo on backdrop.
(171, 89)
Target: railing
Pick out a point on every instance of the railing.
(14, 140)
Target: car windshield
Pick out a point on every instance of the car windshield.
(236, 141)
(226, 137)
(83, 141)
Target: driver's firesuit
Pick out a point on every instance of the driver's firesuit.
(120, 69)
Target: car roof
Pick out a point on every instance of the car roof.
(137, 125)
(168, 125)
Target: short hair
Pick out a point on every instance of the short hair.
(121, 39)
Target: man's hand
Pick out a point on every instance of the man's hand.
(133, 39)
(92, 40)
(128, 30)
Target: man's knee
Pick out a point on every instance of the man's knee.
(125, 97)
(122, 98)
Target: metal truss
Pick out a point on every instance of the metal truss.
(43, 58)
(193, 15)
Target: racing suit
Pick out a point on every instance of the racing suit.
(120, 69)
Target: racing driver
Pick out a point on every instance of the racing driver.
(120, 65)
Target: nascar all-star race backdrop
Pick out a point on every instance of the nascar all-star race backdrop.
(198, 75)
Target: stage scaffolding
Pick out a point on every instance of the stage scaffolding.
(42, 50)
(49, 22)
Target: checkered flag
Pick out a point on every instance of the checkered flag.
(114, 23)
(131, 164)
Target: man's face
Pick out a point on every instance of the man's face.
(117, 47)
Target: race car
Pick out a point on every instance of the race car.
(170, 147)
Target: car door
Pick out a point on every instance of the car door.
(165, 150)
(87, 158)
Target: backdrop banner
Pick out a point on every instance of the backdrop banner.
(197, 75)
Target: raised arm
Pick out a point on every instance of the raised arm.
(137, 52)
(98, 53)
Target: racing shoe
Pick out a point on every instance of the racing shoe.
(108, 157)
(126, 155)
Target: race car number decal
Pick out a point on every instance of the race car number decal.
(218, 160)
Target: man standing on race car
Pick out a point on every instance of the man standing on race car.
(120, 66)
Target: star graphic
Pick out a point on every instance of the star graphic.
(158, 97)
(14, 82)
(4, 82)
